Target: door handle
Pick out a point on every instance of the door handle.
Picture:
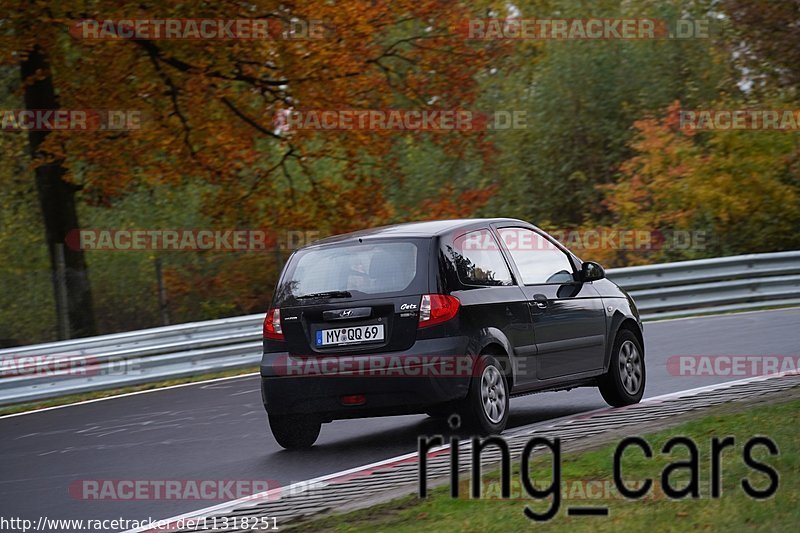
(540, 300)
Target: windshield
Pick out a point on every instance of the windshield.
(362, 268)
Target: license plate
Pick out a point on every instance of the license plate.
(349, 335)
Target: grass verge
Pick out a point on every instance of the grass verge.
(74, 398)
(587, 480)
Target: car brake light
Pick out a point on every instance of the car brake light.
(354, 399)
(272, 325)
(437, 308)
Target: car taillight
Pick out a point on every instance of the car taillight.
(437, 308)
(272, 325)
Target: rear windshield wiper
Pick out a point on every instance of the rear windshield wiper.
(328, 294)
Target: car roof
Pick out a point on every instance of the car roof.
(428, 228)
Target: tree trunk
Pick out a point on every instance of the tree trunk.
(57, 200)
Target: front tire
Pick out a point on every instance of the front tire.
(487, 405)
(624, 382)
(295, 432)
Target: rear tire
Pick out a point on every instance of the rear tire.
(486, 406)
(295, 432)
(624, 382)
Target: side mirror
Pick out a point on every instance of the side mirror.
(591, 271)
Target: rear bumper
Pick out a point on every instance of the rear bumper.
(431, 372)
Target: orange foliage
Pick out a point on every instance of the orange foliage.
(208, 111)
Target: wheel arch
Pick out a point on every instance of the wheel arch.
(494, 342)
(620, 322)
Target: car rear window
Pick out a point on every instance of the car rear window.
(368, 268)
(479, 261)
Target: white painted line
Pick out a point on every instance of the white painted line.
(126, 394)
(723, 385)
(295, 487)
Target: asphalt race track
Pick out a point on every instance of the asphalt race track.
(218, 431)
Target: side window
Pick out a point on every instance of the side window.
(538, 260)
(479, 260)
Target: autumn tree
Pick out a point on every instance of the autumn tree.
(738, 189)
(766, 39)
(582, 97)
(209, 109)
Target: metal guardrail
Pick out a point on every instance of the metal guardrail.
(111, 361)
(706, 270)
(715, 285)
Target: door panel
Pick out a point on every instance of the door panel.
(568, 316)
(569, 329)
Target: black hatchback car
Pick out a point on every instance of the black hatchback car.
(441, 317)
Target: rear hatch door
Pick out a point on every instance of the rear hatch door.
(354, 297)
